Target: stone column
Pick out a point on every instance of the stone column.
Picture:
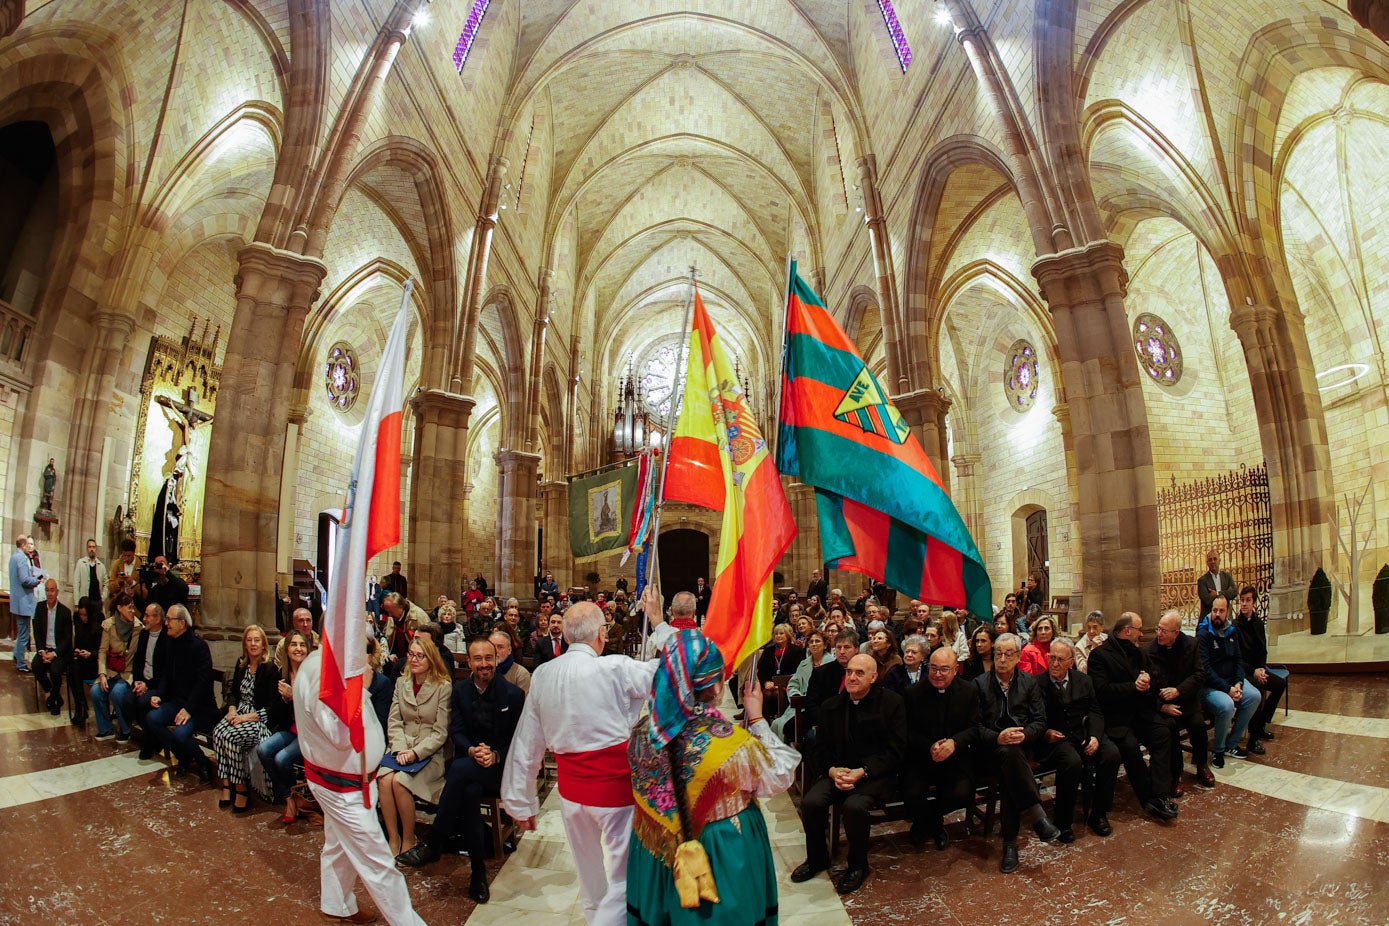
(437, 517)
(1116, 491)
(1062, 413)
(461, 364)
(294, 436)
(925, 411)
(516, 522)
(882, 267)
(1293, 436)
(240, 526)
(804, 555)
(557, 556)
(966, 496)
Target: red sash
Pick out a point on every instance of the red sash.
(600, 778)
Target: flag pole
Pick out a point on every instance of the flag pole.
(775, 432)
(680, 359)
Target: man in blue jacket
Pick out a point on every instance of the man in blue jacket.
(24, 579)
(1230, 699)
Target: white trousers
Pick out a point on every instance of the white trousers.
(354, 847)
(598, 837)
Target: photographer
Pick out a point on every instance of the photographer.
(165, 588)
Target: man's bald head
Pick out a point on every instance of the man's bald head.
(303, 622)
(683, 605)
(859, 675)
(583, 622)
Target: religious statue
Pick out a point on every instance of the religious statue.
(46, 486)
(168, 507)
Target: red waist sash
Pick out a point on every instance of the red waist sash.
(599, 778)
(336, 781)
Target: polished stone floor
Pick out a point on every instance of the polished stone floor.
(1301, 836)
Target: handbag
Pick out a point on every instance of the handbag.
(115, 662)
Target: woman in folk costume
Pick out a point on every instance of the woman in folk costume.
(700, 852)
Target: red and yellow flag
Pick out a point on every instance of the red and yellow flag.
(719, 460)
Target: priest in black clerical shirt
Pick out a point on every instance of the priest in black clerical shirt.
(942, 727)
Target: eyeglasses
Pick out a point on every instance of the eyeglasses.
(413, 655)
(940, 670)
(1005, 653)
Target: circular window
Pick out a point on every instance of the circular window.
(1157, 348)
(340, 376)
(1020, 375)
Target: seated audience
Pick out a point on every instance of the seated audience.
(882, 646)
(1074, 740)
(915, 652)
(86, 643)
(1034, 654)
(1124, 685)
(1012, 719)
(953, 634)
(857, 756)
(981, 653)
(1231, 700)
(1180, 682)
(279, 752)
(114, 661)
(53, 642)
(403, 618)
(455, 635)
(183, 704)
(482, 720)
(779, 657)
(815, 655)
(1253, 649)
(828, 679)
(302, 621)
(1094, 636)
(151, 663)
(931, 633)
(504, 642)
(552, 644)
(246, 717)
(381, 688)
(942, 726)
(418, 730)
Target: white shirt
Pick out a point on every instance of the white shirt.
(322, 736)
(578, 702)
(147, 672)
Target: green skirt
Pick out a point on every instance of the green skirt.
(744, 873)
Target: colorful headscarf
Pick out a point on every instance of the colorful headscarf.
(689, 663)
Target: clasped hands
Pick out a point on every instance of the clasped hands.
(483, 755)
(845, 779)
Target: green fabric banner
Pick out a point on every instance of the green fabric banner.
(600, 511)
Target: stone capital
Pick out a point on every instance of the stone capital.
(517, 462)
(1062, 413)
(435, 406)
(965, 463)
(1085, 274)
(114, 325)
(269, 276)
(1248, 321)
(922, 407)
(299, 415)
(552, 488)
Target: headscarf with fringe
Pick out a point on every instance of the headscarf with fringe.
(689, 663)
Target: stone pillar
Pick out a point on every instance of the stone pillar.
(1071, 544)
(1373, 15)
(274, 290)
(883, 268)
(1117, 510)
(966, 496)
(437, 516)
(1293, 436)
(486, 226)
(925, 411)
(803, 557)
(557, 556)
(516, 522)
(294, 436)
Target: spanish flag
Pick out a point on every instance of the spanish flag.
(719, 460)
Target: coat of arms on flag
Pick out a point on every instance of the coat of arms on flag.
(865, 407)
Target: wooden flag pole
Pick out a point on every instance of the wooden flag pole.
(653, 561)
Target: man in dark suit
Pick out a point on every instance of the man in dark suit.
(395, 582)
(827, 679)
(702, 594)
(858, 753)
(1179, 679)
(1214, 582)
(553, 644)
(942, 726)
(147, 668)
(1012, 719)
(818, 587)
(1074, 738)
(485, 709)
(184, 703)
(53, 638)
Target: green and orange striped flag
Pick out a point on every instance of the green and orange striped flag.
(882, 509)
(719, 460)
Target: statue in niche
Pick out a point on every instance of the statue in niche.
(47, 483)
(185, 417)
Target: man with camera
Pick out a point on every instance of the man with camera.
(165, 588)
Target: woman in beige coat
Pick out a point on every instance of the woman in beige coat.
(418, 729)
(118, 635)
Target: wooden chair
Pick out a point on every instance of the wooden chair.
(774, 702)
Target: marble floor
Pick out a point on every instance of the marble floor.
(1300, 836)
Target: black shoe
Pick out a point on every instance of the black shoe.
(1256, 747)
(204, 772)
(1099, 825)
(1265, 734)
(109, 735)
(477, 885)
(942, 839)
(25, 670)
(1237, 753)
(55, 709)
(1218, 760)
(851, 880)
(1045, 830)
(1067, 836)
(1009, 863)
(420, 854)
(79, 720)
(1163, 810)
(805, 871)
(917, 836)
(121, 737)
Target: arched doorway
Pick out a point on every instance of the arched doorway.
(28, 218)
(1031, 554)
(684, 558)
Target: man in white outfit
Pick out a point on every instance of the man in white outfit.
(353, 844)
(582, 707)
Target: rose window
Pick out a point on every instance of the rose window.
(1020, 376)
(340, 376)
(1158, 351)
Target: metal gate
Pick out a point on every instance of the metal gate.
(1229, 514)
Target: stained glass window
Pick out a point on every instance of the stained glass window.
(1158, 351)
(470, 28)
(340, 376)
(656, 377)
(894, 31)
(1020, 375)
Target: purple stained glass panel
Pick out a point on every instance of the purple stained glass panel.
(1159, 352)
(894, 30)
(470, 29)
(1021, 376)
